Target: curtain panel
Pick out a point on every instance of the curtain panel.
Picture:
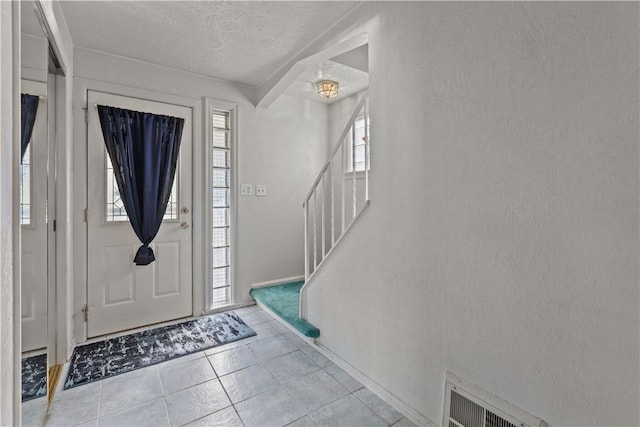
(143, 149)
(28, 114)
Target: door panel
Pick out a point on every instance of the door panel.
(120, 294)
(33, 233)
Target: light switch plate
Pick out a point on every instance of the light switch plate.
(261, 190)
(246, 189)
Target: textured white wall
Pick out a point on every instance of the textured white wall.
(33, 57)
(502, 239)
(282, 147)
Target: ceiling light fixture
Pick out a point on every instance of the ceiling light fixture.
(327, 88)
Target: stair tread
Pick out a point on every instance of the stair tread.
(284, 300)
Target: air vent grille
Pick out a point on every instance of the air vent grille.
(469, 406)
(465, 412)
(493, 420)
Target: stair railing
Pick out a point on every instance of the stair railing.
(339, 194)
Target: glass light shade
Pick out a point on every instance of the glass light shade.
(327, 88)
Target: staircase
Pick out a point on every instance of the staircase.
(339, 195)
(337, 198)
(283, 300)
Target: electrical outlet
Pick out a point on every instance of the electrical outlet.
(261, 190)
(246, 189)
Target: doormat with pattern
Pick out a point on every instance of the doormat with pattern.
(34, 377)
(103, 359)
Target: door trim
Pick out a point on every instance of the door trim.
(80, 240)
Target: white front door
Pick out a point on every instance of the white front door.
(120, 294)
(33, 229)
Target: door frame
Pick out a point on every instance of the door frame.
(80, 240)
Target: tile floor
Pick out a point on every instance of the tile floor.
(272, 379)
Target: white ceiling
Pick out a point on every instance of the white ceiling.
(243, 42)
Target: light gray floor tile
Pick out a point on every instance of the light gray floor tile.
(256, 317)
(404, 422)
(278, 326)
(196, 402)
(179, 376)
(303, 422)
(379, 406)
(271, 347)
(92, 423)
(291, 365)
(295, 340)
(249, 382)
(122, 392)
(153, 413)
(228, 346)
(348, 411)
(232, 360)
(273, 408)
(76, 405)
(316, 356)
(33, 412)
(182, 359)
(343, 378)
(264, 330)
(315, 390)
(224, 418)
(246, 310)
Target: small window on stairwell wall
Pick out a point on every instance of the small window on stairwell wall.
(359, 149)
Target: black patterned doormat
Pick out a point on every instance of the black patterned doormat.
(99, 360)
(34, 377)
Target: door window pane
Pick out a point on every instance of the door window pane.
(115, 211)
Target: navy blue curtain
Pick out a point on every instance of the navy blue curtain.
(28, 119)
(143, 148)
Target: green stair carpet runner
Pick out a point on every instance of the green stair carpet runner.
(284, 300)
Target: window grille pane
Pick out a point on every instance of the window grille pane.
(356, 157)
(25, 188)
(221, 162)
(220, 237)
(220, 158)
(220, 277)
(220, 257)
(221, 295)
(359, 154)
(220, 120)
(115, 211)
(220, 197)
(172, 204)
(220, 139)
(221, 178)
(220, 217)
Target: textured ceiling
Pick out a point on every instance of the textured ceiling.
(243, 42)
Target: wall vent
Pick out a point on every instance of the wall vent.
(466, 405)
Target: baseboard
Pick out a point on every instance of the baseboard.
(227, 308)
(277, 281)
(377, 389)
